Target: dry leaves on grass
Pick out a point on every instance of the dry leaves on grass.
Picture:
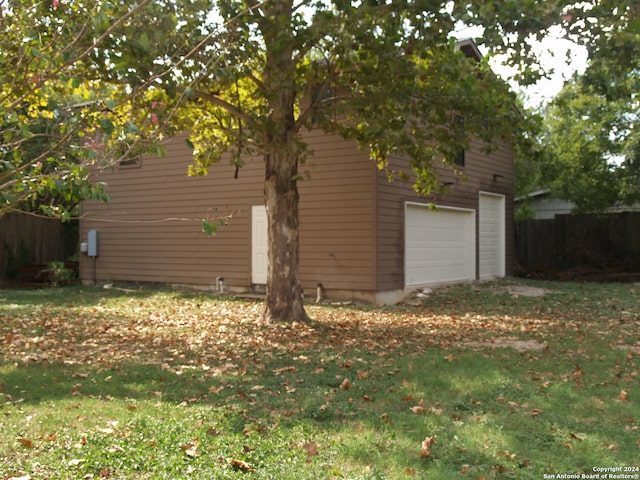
(225, 337)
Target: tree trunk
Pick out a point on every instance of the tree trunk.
(284, 300)
(284, 292)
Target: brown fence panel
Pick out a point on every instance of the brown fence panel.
(29, 240)
(579, 244)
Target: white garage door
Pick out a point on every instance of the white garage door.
(439, 245)
(491, 226)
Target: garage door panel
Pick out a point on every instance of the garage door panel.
(491, 230)
(439, 246)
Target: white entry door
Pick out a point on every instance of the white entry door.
(491, 231)
(259, 244)
(439, 245)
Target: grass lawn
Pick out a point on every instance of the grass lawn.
(510, 379)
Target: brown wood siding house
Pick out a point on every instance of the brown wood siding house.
(362, 237)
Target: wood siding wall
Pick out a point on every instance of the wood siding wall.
(351, 218)
(479, 171)
(151, 231)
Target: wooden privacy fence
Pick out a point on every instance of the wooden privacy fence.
(579, 244)
(27, 240)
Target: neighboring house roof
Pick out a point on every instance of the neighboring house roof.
(546, 206)
(469, 48)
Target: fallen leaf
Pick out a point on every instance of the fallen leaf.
(576, 436)
(25, 442)
(411, 472)
(75, 462)
(506, 454)
(345, 385)
(240, 465)
(623, 397)
(106, 431)
(577, 375)
(311, 449)
(450, 358)
(104, 473)
(81, 443)
(408, 398)
(419, 410)
(190, 449)
(289, 368)
(425, 449)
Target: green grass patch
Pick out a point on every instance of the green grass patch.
(508, 379)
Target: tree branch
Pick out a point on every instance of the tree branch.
(232, 109)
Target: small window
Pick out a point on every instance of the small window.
(315, 95)
(133, 162)
(458, 126)
(458, 160)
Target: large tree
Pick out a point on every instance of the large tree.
(248, 77)
(591, 148)
(588, 150)
(385, 74)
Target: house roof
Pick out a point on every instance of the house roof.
(535, 194)
(469, 48)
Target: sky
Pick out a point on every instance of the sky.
(563, 68)
(552, 52)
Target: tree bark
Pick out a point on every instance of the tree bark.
(284, 299)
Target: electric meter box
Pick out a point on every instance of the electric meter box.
(92, 243)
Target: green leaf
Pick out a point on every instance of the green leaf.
(106, 126)
(209, 228)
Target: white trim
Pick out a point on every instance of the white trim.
(259, 245)
(437, 207)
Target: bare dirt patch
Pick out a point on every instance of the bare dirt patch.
(526, 291)
(631, 348)
(518, 344)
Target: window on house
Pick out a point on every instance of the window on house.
(131, 162)
(315, 95)
(458, 126)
